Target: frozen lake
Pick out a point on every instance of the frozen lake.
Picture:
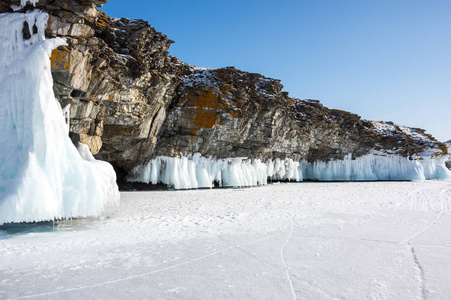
(367, 240)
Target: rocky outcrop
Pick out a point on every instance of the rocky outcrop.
(115, 73)
(131, 101)
(230, 113)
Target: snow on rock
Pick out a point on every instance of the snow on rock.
(418, 135)
(42, 175)
(24, 2)
(195, 171)
(389, 128)
(201, 76)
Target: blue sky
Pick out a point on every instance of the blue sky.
(384, 60)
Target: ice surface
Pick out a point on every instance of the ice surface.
(342, 240)
(42, 175)
(199, 172)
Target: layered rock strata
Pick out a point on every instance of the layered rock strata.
(229, 113)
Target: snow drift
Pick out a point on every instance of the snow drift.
(42, 175)
(196, 171)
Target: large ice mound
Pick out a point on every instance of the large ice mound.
(42, 175)
(195, 171)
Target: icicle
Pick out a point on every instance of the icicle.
(199, 172)
(376, 167)
(195, 171)
(42, 175)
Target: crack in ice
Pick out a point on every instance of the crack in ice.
(437, 218)
(285, 262)
(412, 248)
(420, 271)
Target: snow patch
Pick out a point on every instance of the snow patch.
(416, 134)
(196, 68)
(42, 175)
(261, 87)
(23, 3)
(200, 77)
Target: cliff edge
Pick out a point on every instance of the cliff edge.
(131, 102)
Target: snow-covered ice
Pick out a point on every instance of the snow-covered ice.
(337, 240)
(42, 175)
(196, 171)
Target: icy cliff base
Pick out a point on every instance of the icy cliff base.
(42, 175)
(377, 167)
(200, 172)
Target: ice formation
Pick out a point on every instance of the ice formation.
(42, 175)
(376, 167)
(199, 172)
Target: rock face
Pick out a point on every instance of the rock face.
(131, 101)
(116, 75)
(230, 113)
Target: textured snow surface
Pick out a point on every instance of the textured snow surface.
(42, 175)
(346, 240)
(199, 172)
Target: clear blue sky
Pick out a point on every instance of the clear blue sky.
(384, 60)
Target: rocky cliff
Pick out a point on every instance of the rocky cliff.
(230, 113)
(116, 75)
(131, 101)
